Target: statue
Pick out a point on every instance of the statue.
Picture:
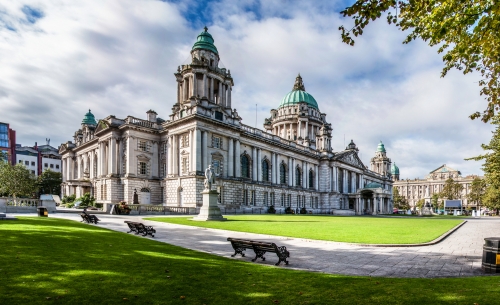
(209, 178)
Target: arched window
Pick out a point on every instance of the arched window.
(245, 167)
(282, 173)
(298, 177)
(265, 171)
(311, 179)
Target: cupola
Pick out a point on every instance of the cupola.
(89, 119)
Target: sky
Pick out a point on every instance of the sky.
(58, 59)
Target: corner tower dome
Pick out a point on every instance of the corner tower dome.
(297, 95)
(205, 41)
(89, 119)
(381, 147)
(394, 169)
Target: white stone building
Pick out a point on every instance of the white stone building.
(415, 189)
(289, 164)
(39, 158)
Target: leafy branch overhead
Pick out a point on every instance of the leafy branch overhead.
(466, 31)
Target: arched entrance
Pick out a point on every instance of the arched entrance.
(145, 196)
(367, 206)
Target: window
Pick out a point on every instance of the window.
(282, 200)
(298, 201)
(32, 172)
(185, 165)
(185, 140)
(272, 199)
(216, 142)
(32, 163)
(52, 166)
(254, 200)
(311, 202)
(217, 165)
(218, 115)
(265, 198)
(57, 166)
(26, 163)
(20, 161)
(265, 171)
(282, 173)
(316, 202)
(143, 168)
(298, 177)
(289, 200)
(143, 146)
(46, 165)
(219, 197)
(311, 179)
(245, 197)
(245, 167)
(163, 170)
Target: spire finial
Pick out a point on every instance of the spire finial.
(299, 85)
(89, 109)
(205, 28)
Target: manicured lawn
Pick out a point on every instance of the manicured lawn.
(47, 260)
(368, 230)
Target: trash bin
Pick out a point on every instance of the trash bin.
(42, 211)
(491, 255)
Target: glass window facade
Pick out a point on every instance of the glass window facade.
(4, 135)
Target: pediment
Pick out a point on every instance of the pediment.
(443, 169)
(350, 158)
(144, 157)
(217, 154)
(101, 125)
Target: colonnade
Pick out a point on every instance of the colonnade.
(190, 86)
(302, 130)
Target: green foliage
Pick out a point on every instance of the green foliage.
(4, 156)
(451, 190)
(86, 200)
(491, 167)
(303, 211)
(466, 30)
(436, 203)
(77, 264)
(17, 180)
(399, 201)
(288, 210)
(420, 204)
(477, 191)
(49, 182)
(68, 199)
(343, 229)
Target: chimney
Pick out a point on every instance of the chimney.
(152, 115)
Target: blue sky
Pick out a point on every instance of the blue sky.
(118, 57)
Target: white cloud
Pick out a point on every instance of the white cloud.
(118, 57)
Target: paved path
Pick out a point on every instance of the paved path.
(458, 255)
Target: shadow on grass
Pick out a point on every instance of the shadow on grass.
(54, 260)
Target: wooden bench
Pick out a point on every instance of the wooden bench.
(88, 218)
(140, 228)
(260, 248)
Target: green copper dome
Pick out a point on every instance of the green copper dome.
(205, 41)
(89, 119)
(298, 95)
(380, 147)
(394, 169)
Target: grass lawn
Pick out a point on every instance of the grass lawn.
(47, 260)
(368, 230)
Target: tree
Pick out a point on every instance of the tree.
(436, 203)
(400, 202)
(491, 167)
(420, 204)
(16, 180)
(466, 30)
(477, 191)
(49, 182)
(451, 190)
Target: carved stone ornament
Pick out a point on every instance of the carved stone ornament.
(351, 159)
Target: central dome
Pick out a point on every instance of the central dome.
(298, 95)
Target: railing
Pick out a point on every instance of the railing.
(23, 202)
(143, 123)
(146, 208)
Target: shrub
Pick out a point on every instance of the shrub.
(288, 210)
(68, 199)
(86, 200)
(303, 211)
(271, 210)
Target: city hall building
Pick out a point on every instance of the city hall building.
(288, 163)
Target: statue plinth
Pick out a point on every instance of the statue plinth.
(209, 211)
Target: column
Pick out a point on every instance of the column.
(230, 159)
(306, 131)
(259, 164)
(304, 175)
(204, 145)
(237, 161)
(112, 156)
(219, 94)
(254, 164)
(299, 132)
(155, 161)
(277, 168)
(290, 137)
(205, 85)
(228, 102)
(273, 167)
(169, 156)
(192, 152)
(175, 155)
(119, 169)
(223, 95)
(185, 89)
(131, 158)
(212, 89)
(316, 182)
(292, 176)
(197, 150)
(102, 159)
(346, 183)
(195, 85)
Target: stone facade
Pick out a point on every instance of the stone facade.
(288, 164)
(415, 189)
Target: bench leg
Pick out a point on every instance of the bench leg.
(259, 253)
(239, 251)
